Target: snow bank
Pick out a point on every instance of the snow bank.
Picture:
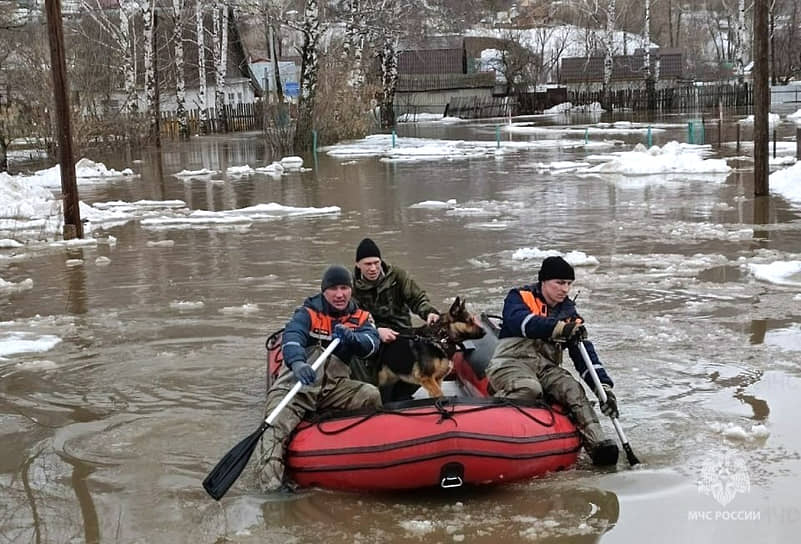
(671, 158)
(787, 183)
(795, 117)
(427, 118)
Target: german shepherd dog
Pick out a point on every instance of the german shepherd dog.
(422, 355)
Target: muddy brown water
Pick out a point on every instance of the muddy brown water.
(106, 436)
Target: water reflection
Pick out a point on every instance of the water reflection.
(77, 297)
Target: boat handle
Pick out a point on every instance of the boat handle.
(451, 481)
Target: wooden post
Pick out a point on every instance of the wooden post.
(73, 228)
(761, 98)
(798, 143)
(774, 143)
(738, 138)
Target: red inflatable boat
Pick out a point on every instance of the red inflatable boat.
(444, 442)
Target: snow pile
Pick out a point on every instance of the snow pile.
(575, 258)
(773, 119)
(795, 117)
(778, 272)
(19, 199)
(787, 183)
(671, 158)
(559, 108)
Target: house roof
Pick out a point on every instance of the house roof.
(442, 82)
(624, 68)
(432, 61)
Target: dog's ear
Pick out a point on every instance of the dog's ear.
(454, 311)
(463, 307)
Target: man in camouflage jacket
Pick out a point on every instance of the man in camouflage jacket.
(391, 296)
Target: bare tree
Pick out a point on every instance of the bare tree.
(309, 63)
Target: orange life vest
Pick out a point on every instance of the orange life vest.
(536, 305)
(322, 325)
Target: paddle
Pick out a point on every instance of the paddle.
(599, 390)
(223, 476)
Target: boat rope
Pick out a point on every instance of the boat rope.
(443, 406)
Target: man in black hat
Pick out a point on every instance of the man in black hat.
(390, 295)
(329, 314)
(539, 322)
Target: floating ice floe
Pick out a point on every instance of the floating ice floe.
(8, 287)
(435, 204)
(778, 272)
(86, 172)
(773, 119)
(575, 258)
(671, 158)
(427, 118)
(733, 431)
(787, 183)
(619, 128)
(203, 174)
(187, 304)
(245, 309)
(239, 217)
(426, 149)
(15, 342)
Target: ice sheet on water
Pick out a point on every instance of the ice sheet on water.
(777, 272)
(671, 158)
(16, 342)
(575, 258)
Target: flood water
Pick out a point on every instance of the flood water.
(160, 368)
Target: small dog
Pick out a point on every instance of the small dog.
(422, 355)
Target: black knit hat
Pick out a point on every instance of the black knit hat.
(335, 275)
(555, 268)
(367, 248)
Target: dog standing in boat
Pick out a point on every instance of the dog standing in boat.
(422, 355)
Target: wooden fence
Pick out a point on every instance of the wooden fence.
(685, 98)
(233, 118)
(474, 107)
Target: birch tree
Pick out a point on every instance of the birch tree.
(200, 31)
(741, 40)
(128, 56)
(309, 63)
(608, 59)
(180, 79)
(148, 12)
(389, 80)
(219, 47)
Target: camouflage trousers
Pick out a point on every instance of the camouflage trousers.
(535, 377)
(333, 390)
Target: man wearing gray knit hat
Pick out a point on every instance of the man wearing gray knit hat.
(539, 322)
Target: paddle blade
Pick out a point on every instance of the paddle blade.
(630, 455)
(223, 476)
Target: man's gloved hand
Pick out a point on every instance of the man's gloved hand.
(609, 408)
(345, 335)
(569, 331)
(304, 373)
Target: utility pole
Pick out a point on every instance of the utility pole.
(73, 228)
(761, 97)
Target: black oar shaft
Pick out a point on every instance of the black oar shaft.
(599, 390)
